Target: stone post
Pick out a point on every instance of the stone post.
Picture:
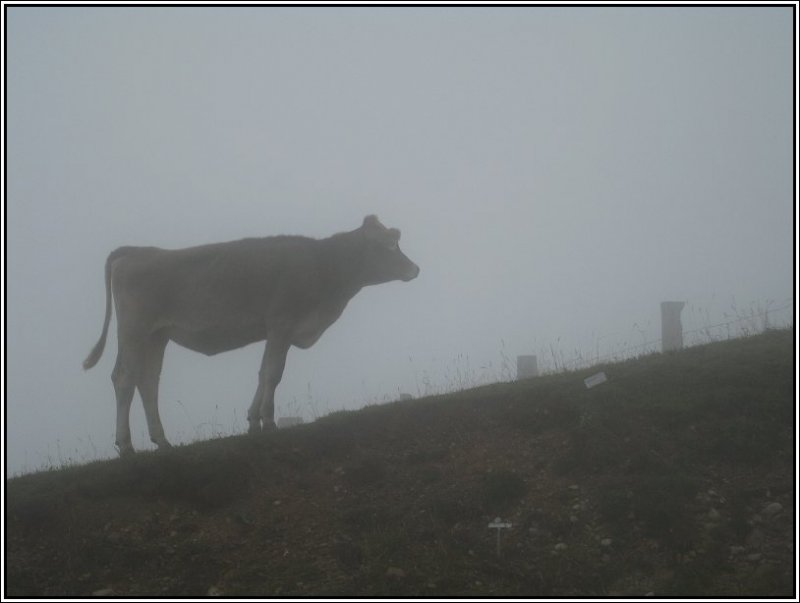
(527, 367)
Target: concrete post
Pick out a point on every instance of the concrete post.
(671, 327)
(527, 367)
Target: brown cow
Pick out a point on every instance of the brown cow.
(286, 290)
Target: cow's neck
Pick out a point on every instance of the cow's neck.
(343, 256)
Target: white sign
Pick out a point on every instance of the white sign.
(596, 379)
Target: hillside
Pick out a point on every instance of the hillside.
(675, 477)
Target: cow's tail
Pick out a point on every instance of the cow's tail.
(98, 348)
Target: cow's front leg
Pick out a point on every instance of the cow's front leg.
(261, 414)
(254, 412)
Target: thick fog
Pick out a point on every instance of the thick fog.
(556, 173)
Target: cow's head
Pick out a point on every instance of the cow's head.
(383, 261)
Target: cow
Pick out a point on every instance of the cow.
(285, 290)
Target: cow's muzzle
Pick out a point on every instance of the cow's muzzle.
(412, 273)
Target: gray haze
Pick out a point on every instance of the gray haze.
(556, 174)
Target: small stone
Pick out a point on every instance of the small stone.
(737, 550)
(103, 592)
(276, 503)
(395, 572)
(573, 519)
(214, 591)
(574, 487)
(773, 509)
(713, 514)
(606, 542)
(560, 546)
(754, 557)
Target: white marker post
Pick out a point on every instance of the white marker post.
(499, 525)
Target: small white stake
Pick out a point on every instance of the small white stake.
(499, 525)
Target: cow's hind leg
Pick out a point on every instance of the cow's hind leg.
(124, 379)
(147, 383)
(261, 414)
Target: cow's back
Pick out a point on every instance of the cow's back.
(236, 283)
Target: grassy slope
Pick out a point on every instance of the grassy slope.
(673, 459)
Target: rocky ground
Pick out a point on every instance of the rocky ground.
(674, 478)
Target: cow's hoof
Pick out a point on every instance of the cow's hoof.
(125, 451)
(255, 428)
(164, 445)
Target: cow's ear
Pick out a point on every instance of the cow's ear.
(370, 221)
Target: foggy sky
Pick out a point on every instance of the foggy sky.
(556, 174)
